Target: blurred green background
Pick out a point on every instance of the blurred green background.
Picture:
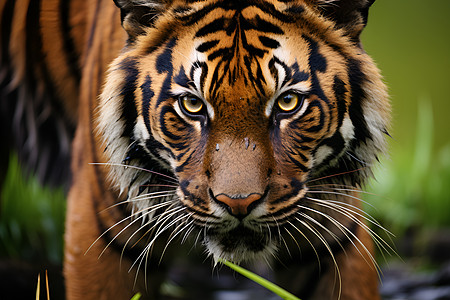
(410, 41)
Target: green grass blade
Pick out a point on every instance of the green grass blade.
(261, 281)
(136, 297)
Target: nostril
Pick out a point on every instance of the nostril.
(239, 207)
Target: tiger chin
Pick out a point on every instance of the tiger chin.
(246, 127)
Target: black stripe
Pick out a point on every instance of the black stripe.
(129, 113)
(162, 123)
(357, 78)
(181, 79)
(264, 6)
(68, 42)
(204, 72)
(36, 58)
(147, 96)
(186, 162)
(260, 24)
(300, 123)
(152, 145)
(340, 91)
(225, 54)
(269, 42)
(206, 46)
(297, 186)
(270, 9)
(295, 9)
(191, 19)
(164, 65)
(317, 63)
(214, 26)
(297, 75)
(293, 74)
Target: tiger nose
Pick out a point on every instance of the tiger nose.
(239, 207)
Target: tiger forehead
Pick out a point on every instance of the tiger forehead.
(238, 52)
(192, 11)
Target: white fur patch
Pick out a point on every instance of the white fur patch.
(347, 130)
(240, 254)
(322, 153)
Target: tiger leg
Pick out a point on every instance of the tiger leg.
(358, 274)
(354, 278)
(91, 274)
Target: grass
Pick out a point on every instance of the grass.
(260, 280)
(412, 188)
(38, 288)
(31, 218)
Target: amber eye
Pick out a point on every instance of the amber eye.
(191, 104)
(288, 102)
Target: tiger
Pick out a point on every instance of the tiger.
(245, 127)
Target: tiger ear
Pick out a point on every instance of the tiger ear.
(351, 15)
(138, 14)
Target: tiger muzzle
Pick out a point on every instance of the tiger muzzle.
(240, 175)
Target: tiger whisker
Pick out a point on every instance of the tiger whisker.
(197, 237)
(147, 250)
(295, 241)
(353, 209)
(327, 246)
(172, 203)
(174, 234)
(116, 224)
(308, 217)
(357, 159)
(188, 232)
(157, 234)
(150, 196)
(341, 187)
(284, 242)
(380, 242)
(136, 199)
(339, 194)
(343, 229)
(160, 220)
(160, 185)
(337, 174)
(306, 238)
(281, 236)
(368, 217)
(137, 168)
(141, 216)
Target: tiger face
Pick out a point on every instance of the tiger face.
(246, 105)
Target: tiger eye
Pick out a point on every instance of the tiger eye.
(288, 102)
(191, 104)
